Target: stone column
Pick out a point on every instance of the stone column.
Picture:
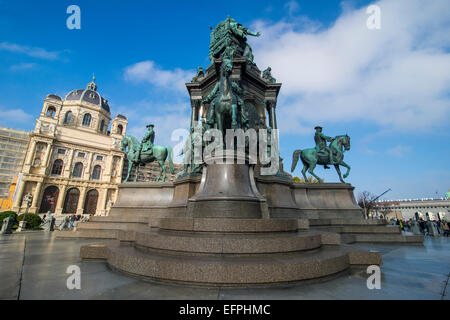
(194, 112)
(36, 195)
(31, 152)
(46, 160)
(108, 170)
(101, 206)
(68, 166)
(61, 197)
(87, 173)
(19, 196)
(273, 117)
(80, 207)
(120, 170)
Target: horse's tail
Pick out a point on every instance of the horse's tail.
(295, 157)
(169, 150)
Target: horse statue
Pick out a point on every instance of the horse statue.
(223, 100)
(309, 157)
(160, 154)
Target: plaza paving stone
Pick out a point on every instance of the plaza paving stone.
(33, 266)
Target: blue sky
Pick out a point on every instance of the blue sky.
(389, 89)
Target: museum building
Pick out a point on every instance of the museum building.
(73, 164)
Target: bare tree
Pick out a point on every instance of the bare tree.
(366, 200)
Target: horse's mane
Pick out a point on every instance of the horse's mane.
(134, 142)
(338, 137)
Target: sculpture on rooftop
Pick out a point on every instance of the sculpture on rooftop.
(267, 75)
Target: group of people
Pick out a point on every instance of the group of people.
(71, 221)
(442, 226)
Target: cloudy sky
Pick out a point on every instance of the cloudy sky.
(388, 88)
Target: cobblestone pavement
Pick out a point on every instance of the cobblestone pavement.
(33, 266)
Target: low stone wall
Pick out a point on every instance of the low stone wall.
(284, 198)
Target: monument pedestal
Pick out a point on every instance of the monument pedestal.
(227, 190)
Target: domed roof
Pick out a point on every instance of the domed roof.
(90, 95)
(121, 116)
(53, 96)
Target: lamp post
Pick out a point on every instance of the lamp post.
(27, 199)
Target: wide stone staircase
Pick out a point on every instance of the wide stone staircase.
(214, 251)
(361, 230)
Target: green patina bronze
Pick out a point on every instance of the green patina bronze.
(225, 100)
(195, 138)
(230, 34)
(323, 154)
(146, 152)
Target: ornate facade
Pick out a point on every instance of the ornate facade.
(433, 209)
(73, 163)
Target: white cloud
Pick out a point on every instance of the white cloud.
(22, 66)
(292, 6)
(399, 151)
(396, 77)
(149, 72)
(34, 52)
(166, 117)
(14, 116)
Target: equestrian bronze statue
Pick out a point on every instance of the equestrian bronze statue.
(146, 152)
(323, 154)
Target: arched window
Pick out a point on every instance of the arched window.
(96, 172)
(57, 167)
(49, 200)
(77, 170)
(102, 126)
(51, 112)
(87, 120)
(119, 129)
(90, 203)
(71, 201)
(68, 117)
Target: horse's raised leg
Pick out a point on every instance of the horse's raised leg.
(338, 170)
(342, 163)
(312, 166)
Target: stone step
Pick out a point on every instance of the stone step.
(225, 225)
(378, 229)
(112, 226)
(344, 222)
(230, 270)
(128, 218)
(380, 238)
(88, 233)
(228, 243)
